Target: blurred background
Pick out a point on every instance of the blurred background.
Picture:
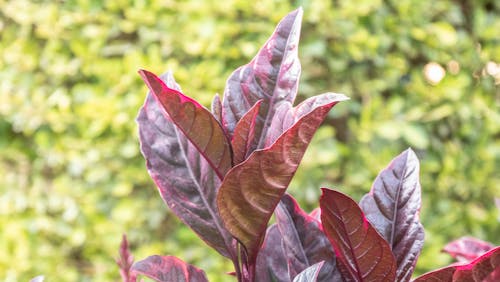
(420, 74)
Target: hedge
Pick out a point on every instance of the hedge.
(73, 179)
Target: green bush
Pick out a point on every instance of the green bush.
(73, 179)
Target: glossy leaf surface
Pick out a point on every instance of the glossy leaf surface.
(310, 274)
(168, 269)
(304, 242)
(485, 268)
(286, 115)
(393, 206)
(363, 255)
(271, 260)
(244, 135)
(272, 76)
(186, 181)
(466, 249)
(251, 190)
(196, 122)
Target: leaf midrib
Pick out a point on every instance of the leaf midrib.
(272, 101)
(198, 188)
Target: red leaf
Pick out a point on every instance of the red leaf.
(393, 207)
(196, 122)
(485, 268)
(168, 269)
(244, 133)
(186, 181)
(251, 190)
(272, 76)
(304, 242)
(466, 249)
(362, 254)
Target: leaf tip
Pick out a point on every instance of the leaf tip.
(152, 81)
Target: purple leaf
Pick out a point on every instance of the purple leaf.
(216, 108)
(304, 242)
(185, 180)
(286, 115)
(244, 134)
(271, 261)
(466, 249)
(125, 261)
(362, 254)
(196, 122)
(485, 268)
(393, 206)
(272, 76)
(310, 274)
(251, 190)
(316, 214)
(168, 269)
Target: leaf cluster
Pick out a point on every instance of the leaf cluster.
(224, 173)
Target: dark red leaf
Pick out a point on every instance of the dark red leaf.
(244, 133)
(168, 269)
(362, 254)
(271, 261)
(186, 181)
(272, 76)
(485, 268)
(196, 122)
(466, 249)
(251, 190)
(311, 274)
(304, 242)
(393, 206)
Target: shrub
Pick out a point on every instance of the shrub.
(224, 173)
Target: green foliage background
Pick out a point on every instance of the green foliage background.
(72, 177)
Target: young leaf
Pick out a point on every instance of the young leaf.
(466, 249)
(185, 180)
(497, 203)
(304, 242)
(271, 262)
(272, 76)
(363, 255)
(485, 268)
(39, 278)
(244, 134)
(310, 274)
(393, 206)
(125, 261)
(316, 214)
(286, 115)
(168, 269)
(216, 108)
(251, 190)
(196, 122)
